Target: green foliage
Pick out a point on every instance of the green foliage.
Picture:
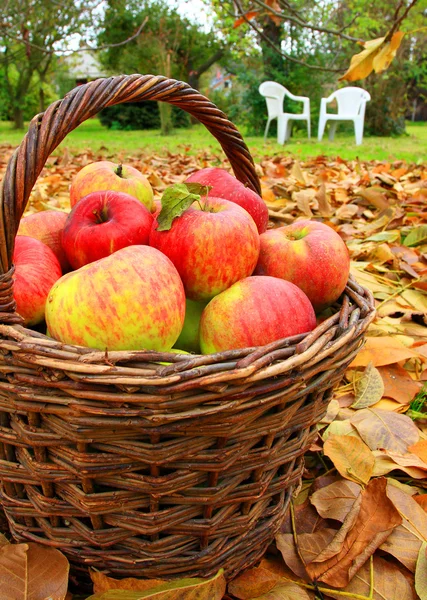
(139, 115)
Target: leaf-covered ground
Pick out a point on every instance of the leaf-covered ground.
(358, 526)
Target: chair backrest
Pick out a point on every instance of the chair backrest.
(274, 94)
(351, 101)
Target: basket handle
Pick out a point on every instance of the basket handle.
(47, 130)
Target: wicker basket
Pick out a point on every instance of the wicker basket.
(145, 469)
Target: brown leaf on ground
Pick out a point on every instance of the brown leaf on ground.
(405, 540)
(307, 519)
(386, 462)
(421, 500)
(421, 573)
(32, 571)
(102, 583)
(389, 583)
(310, 545)
(335, 500)
(398, 384)
(384, 429)
(420, 449)
(368, 388)
(253, 583)
(286, 591)
(376, 518)
(381, 351)
(351, 457)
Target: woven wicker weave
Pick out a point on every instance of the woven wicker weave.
(146, 469)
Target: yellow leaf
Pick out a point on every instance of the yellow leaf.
(362, 64)
(385, 350)
(384, 57)
(351, 457)
(369, 388)
(421, 572)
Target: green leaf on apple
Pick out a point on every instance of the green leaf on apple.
(176, 199)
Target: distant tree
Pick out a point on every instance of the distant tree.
(169, 45)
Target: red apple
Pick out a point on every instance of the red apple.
(47, 227)
(311, 255)
(131, 300)
(225, 185)
(212, 244)
(36, 270)
(253, 312)
(106, 175)
(102, 223)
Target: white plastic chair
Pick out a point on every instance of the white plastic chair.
(274, 94)
(351, 107)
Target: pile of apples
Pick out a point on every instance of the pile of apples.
(198, 272)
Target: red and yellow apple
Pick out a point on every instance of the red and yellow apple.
(36, 270)
(212, 244)
(102, 223)
(106, 175)
(309, 254)
(47, 226)
(253, 312)
(131, 300)
(225, 185)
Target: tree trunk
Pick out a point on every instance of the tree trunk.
(18, 118)
(165, 109)
(42, 101)
(274, 64)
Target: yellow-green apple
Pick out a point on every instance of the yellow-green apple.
(311, 255)
(47, 226)
(213, 244)
(106, 175)
(36, 270)
(189, 336)
(253, 312)
(131, 300)
(102, 223)
(225, 185)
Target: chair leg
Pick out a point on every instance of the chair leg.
(308, 128)
(332, 130)
(358, 132)
(288, 130)
(321, 131)
(266, 129)
(282, 124)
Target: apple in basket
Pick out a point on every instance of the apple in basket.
(253, 312)
(189, 337)
(213, 243)
(225, 185)
(311, 255)
(102, 223)
(131, 300)
(36, 270)
(47, 226)
(106, 175)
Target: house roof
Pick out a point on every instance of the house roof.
(84, 65)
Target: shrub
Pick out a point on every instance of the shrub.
(140, 115)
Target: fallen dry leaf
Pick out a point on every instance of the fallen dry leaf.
(368, 388)
(102, 583)
(389, 583)
(253, 582)
(421, 573)
(382, 351)
(351, 457)
(32, 571)
(376, 517)
(398, 384)
(420, 449)
(383, 429)
(286, 591)
(335, 500)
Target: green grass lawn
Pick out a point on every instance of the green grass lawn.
(411, 147)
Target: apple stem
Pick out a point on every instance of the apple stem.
(119, 170)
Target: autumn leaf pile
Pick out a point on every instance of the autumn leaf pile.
(357, 527)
